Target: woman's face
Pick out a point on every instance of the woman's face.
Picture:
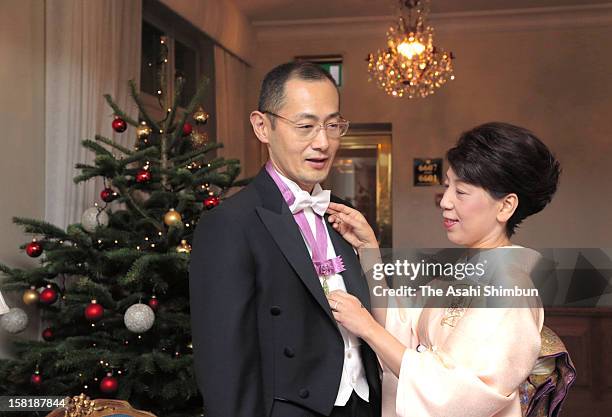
(472, 217)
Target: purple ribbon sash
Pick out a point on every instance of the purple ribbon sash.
(318, 245)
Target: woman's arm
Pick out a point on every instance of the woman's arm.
(387, 347)
(349, 312)
(354, 228)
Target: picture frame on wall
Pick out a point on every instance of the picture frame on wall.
(427, 172)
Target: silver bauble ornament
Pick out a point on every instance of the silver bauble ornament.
(94, 217)
(15, 321)
(139, 318)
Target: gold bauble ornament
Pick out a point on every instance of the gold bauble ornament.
(200, 116)
(199, 139)
(143, 131)
(172, 218)
(184, 247)
(30, 296)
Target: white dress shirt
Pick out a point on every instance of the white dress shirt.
(353, 373)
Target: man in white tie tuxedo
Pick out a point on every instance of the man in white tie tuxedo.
(264, 336)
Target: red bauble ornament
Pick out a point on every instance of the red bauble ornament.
(36, 379)
(187, 129)
(211, 202)
(48, 334)
(34, 249)
(94, 311)
(144, 175)
(119, 125)
(107, 195)
(48, 295)
(153, 302)
(109, 384)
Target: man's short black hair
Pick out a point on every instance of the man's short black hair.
(272, 94)
(504, 159)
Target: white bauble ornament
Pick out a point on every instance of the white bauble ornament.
(139, 318)
(94, 217)
(15, 321)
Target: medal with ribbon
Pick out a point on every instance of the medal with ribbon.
(319, 202)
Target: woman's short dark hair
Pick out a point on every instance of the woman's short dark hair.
(504, 159)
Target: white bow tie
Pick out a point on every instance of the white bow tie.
(319, 201)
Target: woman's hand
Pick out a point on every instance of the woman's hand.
(353, 227)
(350, 313)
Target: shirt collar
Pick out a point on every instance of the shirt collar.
(295, 188)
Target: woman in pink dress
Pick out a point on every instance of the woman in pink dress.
(470, 362)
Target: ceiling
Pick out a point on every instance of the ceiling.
(271, 10)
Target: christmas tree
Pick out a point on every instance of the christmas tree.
(113, 290)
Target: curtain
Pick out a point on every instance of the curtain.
(233, 127)
(92, 48)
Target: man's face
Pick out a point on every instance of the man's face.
(305, 160)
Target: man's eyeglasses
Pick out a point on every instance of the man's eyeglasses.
(307, 131)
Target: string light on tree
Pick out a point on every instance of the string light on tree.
(193, 166)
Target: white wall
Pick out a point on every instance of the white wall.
(547, 70)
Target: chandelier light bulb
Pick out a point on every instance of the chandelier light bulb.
(410, 48)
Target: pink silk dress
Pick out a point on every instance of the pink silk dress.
(466, 362)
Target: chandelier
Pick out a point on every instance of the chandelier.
(411, 66)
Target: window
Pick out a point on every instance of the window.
(151, 53)
(190, 55)
(185, 65)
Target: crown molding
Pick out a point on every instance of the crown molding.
(537, 18)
